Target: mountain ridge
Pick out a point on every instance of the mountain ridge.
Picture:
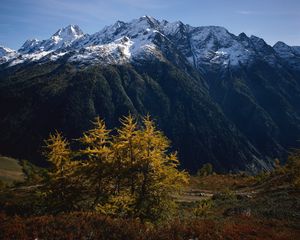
(217, 45)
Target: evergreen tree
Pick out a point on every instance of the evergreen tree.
(293, 167)
(205, 170)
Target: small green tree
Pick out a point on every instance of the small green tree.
(205, 170)
(32, 173)
(202, 208)
(293, 167)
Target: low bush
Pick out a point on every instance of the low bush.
(85, 225)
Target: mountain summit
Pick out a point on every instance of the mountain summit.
(64, 37)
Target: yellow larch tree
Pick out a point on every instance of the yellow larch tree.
(131, 173)
(61, 190)
(96, 162)
(159, 179)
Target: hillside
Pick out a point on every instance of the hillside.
(10, 170)
(212, 207)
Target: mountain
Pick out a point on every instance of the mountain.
(6, 54)
(63, 38)
(203, 47)
(290, 55)
(221, 98)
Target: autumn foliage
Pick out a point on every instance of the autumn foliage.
(129, 174)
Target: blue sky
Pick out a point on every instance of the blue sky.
(272, 20)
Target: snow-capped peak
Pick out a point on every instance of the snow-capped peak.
(153, 23)
(121, 42)
(173, 27)
(29, 46)
(64, 37)
(69, 33)
(133, 30)
(6, 54)
(4, 51)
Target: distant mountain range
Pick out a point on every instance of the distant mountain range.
(230, 100)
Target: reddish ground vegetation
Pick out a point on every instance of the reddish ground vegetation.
(95, 226)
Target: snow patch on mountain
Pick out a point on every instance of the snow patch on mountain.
(30, 46)
(171, 28)
(29, 58)
(122, 50)
(121, 43)
(116, 52)
(215, 45)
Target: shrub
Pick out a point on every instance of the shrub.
(205, 170)
(202, 208)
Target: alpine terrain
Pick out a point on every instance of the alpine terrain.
(233, 101)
